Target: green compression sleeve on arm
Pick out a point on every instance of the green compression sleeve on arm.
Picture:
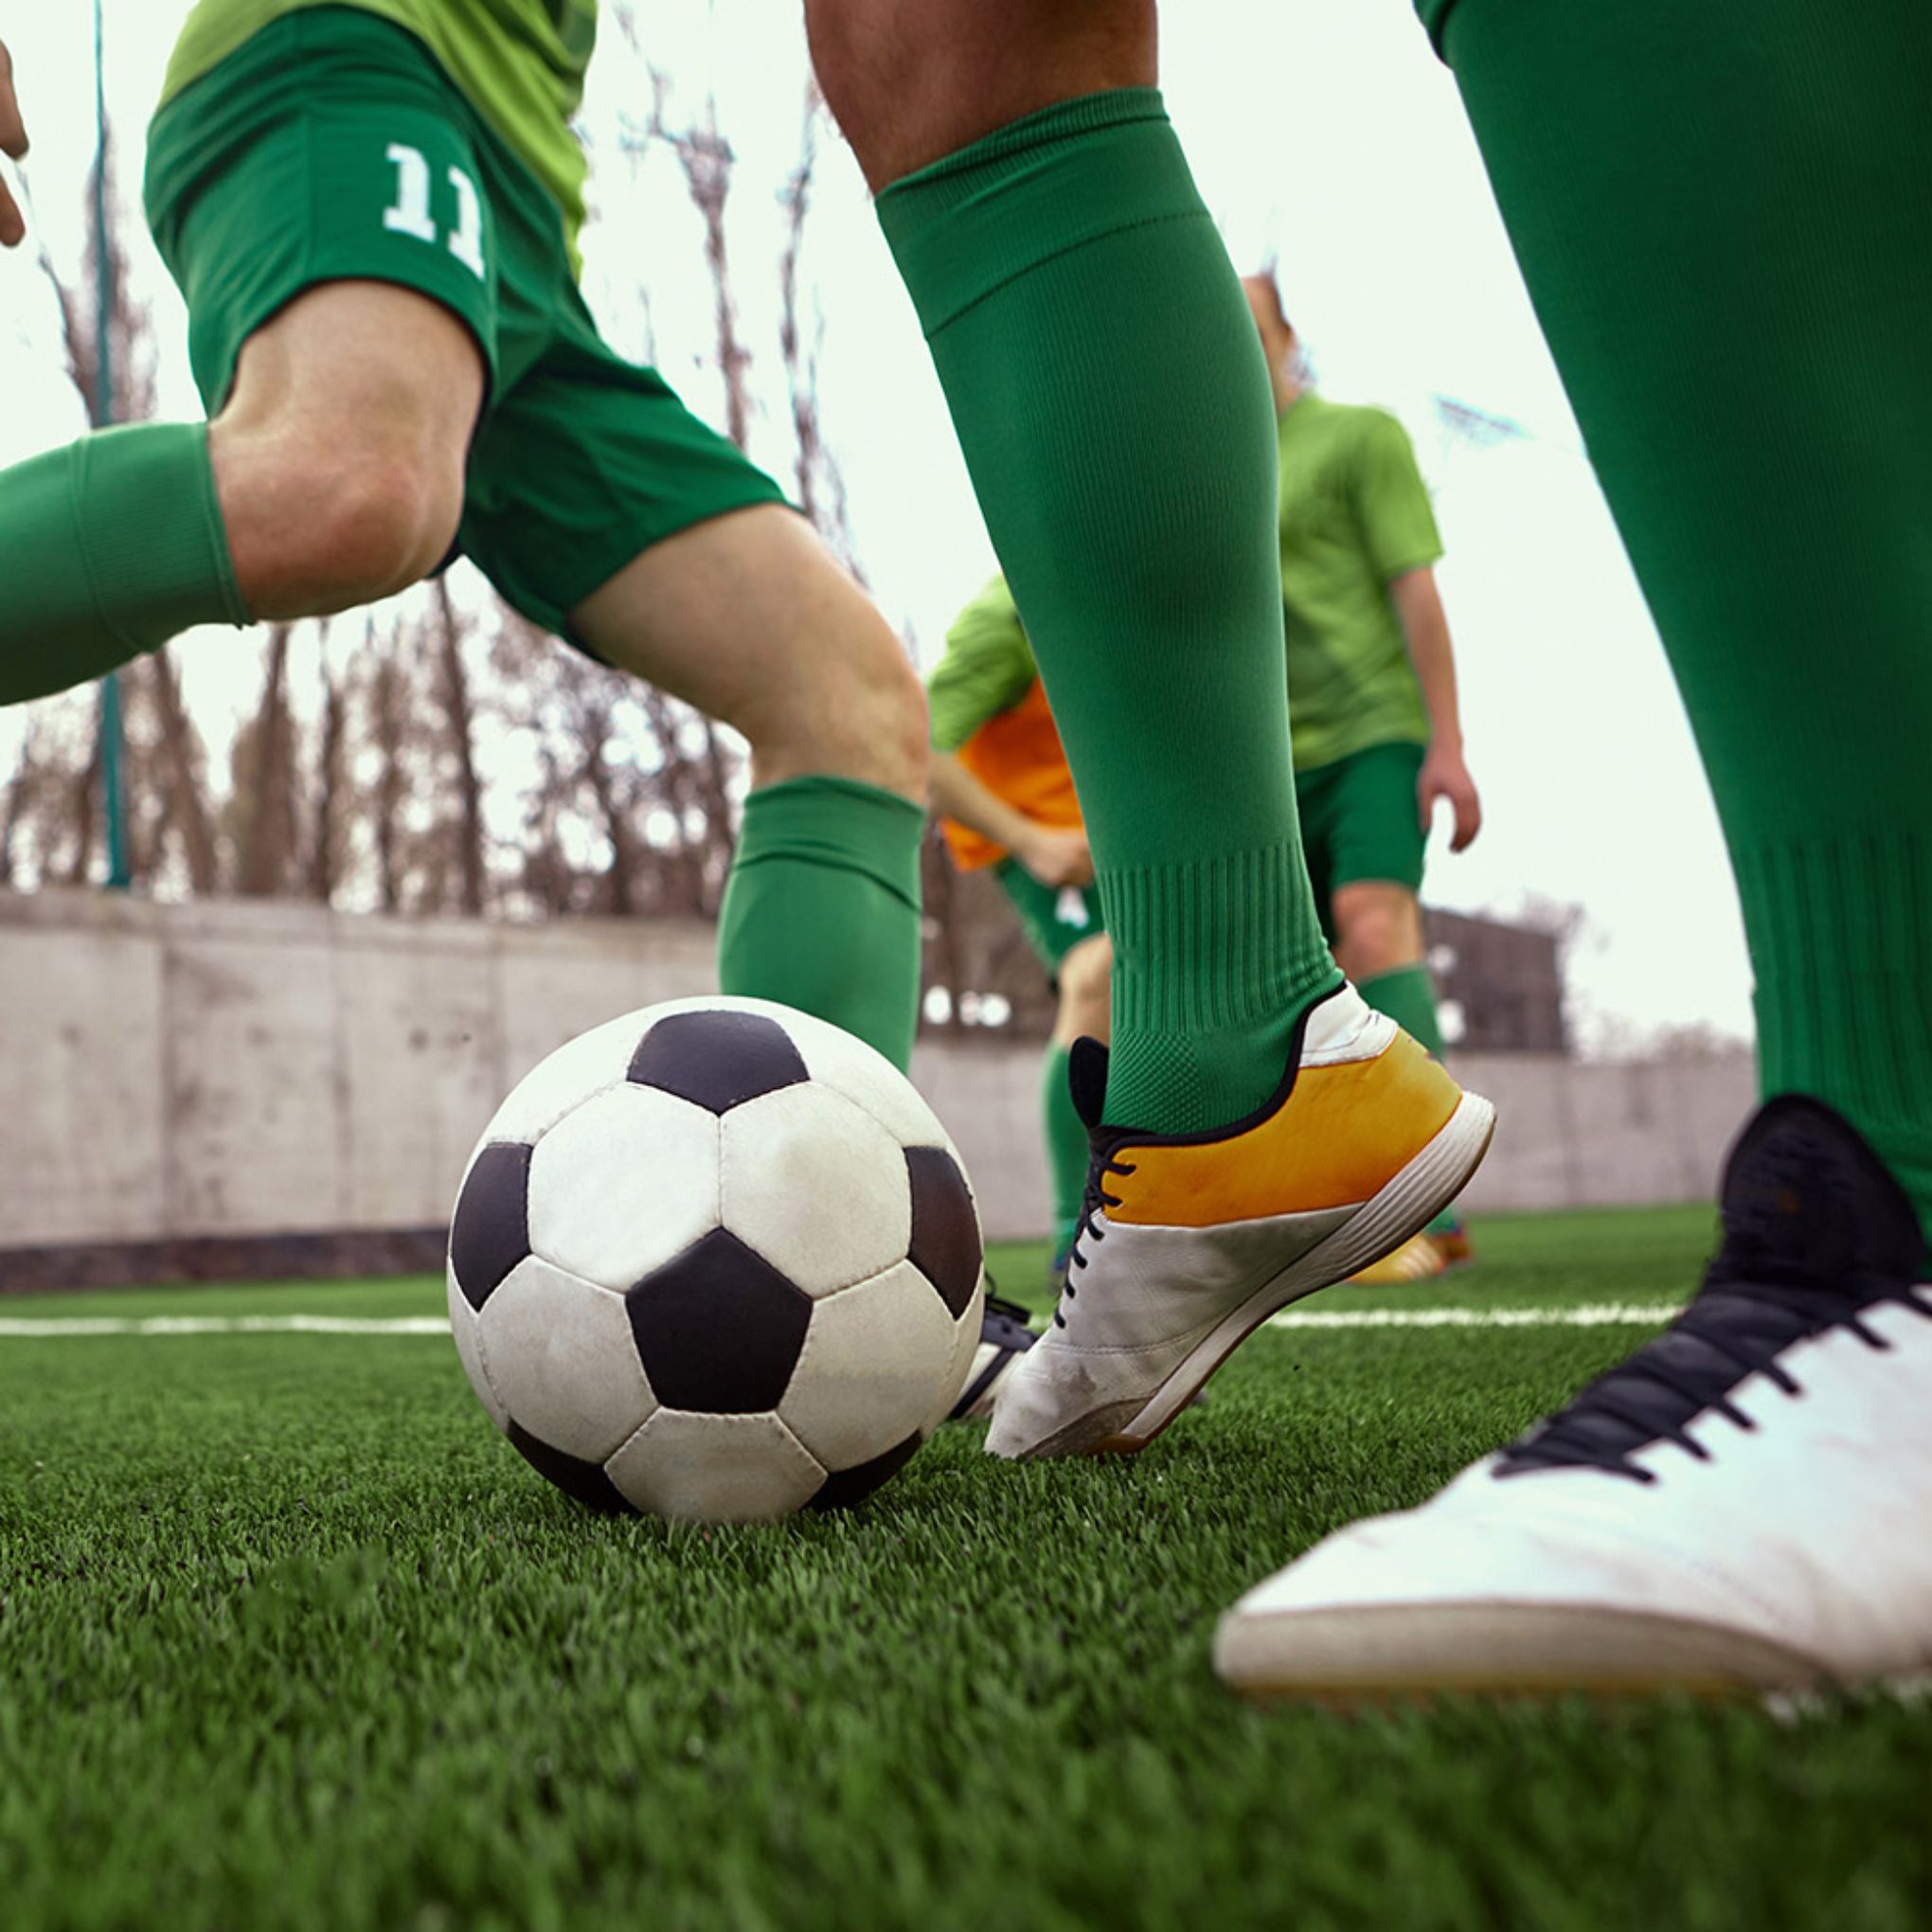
(108, 548)
(1113, 407)
(823, 907)
(1738, 303)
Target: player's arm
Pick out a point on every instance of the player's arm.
(1398, 524)
(1054, 855)
(1445, 772)
(14, 145)
(988, 669)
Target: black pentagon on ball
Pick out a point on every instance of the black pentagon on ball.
(945, 1232)
(718, 1059)
(586, 1482)
(489, 1232)
(845, 1487)
(719, 1330)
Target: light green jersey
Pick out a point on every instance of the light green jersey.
(519, 62)
(1355, 515)
(987, 668)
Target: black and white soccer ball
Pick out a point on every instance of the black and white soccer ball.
(715, 1261)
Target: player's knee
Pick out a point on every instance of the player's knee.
(314, 533)
(1375, 935)
(385, 528)
(381, 526)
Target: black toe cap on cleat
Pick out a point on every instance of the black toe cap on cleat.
(1816, 1233)
(1806, 1201)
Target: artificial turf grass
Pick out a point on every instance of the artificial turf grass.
(288, 1636)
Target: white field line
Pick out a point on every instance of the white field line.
(27, 1329)
(1588, 1314)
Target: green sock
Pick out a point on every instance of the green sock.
(108, 547)
(1066, 1143)
(822, 911)
(1737, 302)
(1408, 997)
(1112, 401)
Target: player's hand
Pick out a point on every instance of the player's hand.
(14, 145)
(1057, 858)
(1445, 776)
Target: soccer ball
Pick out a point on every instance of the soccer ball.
(715, 1261)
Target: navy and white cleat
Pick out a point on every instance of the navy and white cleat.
(1741, 1508)
(1004, 1337)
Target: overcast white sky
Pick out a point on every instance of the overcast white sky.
(1322, 132)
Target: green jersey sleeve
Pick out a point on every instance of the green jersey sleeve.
(987, 668)
(1392, 506)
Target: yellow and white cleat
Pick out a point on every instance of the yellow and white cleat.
(1418, 1259)
(1190, 1242)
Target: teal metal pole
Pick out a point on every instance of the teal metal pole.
(112, 729)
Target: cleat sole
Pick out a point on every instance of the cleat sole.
(1370, 1654)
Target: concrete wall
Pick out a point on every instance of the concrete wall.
(248, 1069)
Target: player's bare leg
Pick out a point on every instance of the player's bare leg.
(1378, 928)
(753, 620)
(1061, 259)
(913, 80)
(339, 457)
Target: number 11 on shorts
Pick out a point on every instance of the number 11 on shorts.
(410, 215)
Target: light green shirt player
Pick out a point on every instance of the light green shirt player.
(1375, 731)
(1355, 519)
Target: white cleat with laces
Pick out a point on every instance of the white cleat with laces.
(1744, 1507)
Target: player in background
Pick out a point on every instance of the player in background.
(1745, 1502)
(371, 208)
(1001, 783)
(1374, 719)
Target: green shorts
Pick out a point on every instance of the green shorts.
(1359, 821)
(1056, 921)
(332, 146)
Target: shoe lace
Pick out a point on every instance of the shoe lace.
(1736, 1327)
(1091, 1226)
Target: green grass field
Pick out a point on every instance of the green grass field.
(289, 1638)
